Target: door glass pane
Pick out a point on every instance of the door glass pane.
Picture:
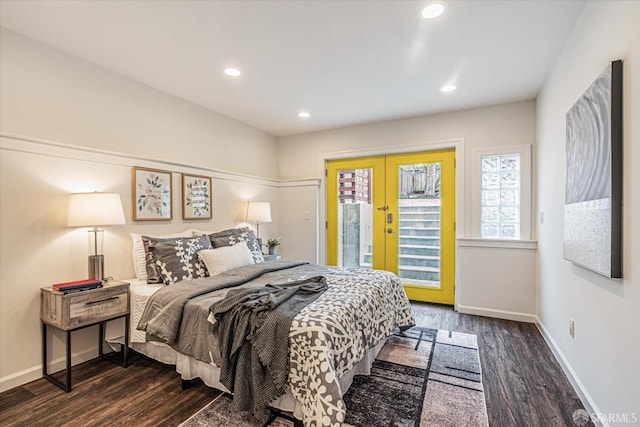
(355, 215)
(419, 224)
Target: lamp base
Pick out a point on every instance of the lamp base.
(96, 267)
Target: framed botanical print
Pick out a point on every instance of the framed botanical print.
(196, 197)
(151, 194)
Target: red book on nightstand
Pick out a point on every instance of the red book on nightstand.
(78, 284)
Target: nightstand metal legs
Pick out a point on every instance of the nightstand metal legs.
(123, 361)
(66, 387)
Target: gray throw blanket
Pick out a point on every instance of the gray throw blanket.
(163, 313)
(252, 326)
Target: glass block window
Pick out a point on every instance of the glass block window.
(500, 196)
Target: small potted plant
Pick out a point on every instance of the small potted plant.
(271, 244)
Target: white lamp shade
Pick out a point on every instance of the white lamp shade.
(94, 209)
(258, 212)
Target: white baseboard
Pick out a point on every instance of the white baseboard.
(578, 386)
(500, 314)
(35, 372)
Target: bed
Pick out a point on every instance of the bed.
(332, 339)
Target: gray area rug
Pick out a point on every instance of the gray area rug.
(422, 377)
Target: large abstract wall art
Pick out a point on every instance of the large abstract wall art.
(593, 184)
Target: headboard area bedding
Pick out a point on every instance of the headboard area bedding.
(170, 258)
(174, 259)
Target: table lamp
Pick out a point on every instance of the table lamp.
(93, 210)
(258, 212)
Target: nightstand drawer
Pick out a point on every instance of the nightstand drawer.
(74, 310)
(80, 310)
(94, 307)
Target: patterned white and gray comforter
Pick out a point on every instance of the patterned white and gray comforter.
(330, 336)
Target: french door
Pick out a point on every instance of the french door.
(396, 213)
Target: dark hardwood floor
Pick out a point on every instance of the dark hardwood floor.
(524, 385)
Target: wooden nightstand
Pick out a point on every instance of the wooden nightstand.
(80, 310)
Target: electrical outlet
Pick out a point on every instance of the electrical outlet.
(572, 326)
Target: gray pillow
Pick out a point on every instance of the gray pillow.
(175, 259)
(234, 235)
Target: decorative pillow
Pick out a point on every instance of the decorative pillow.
(226, 257)
(198, 233)
(172, 260)
(138, 252)
(234, 235)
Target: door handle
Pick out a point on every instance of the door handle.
(390, 230)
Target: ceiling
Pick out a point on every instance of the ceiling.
(345, 62)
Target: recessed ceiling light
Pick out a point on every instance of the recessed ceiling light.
(233, 72)
(304, 114)
(432, 10)
(448, 88)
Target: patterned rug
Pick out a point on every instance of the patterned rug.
(422, 377)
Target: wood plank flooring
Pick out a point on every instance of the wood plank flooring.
(523, 382)
(524, 385)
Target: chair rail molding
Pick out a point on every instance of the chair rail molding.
(24, 144)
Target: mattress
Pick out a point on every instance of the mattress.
(139, 293)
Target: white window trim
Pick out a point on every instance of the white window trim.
(525, 186)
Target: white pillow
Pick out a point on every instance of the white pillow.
(226, 257)
(139, 262)
(198, 233)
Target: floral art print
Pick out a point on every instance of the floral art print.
(152, 194)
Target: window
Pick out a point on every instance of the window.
(500, 196)
(502, 201)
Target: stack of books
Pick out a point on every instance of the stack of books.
(77, 286)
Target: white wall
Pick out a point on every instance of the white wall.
(50, 95)
(497, 278)
(100, 124)
(299, 221)
(604, 356)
